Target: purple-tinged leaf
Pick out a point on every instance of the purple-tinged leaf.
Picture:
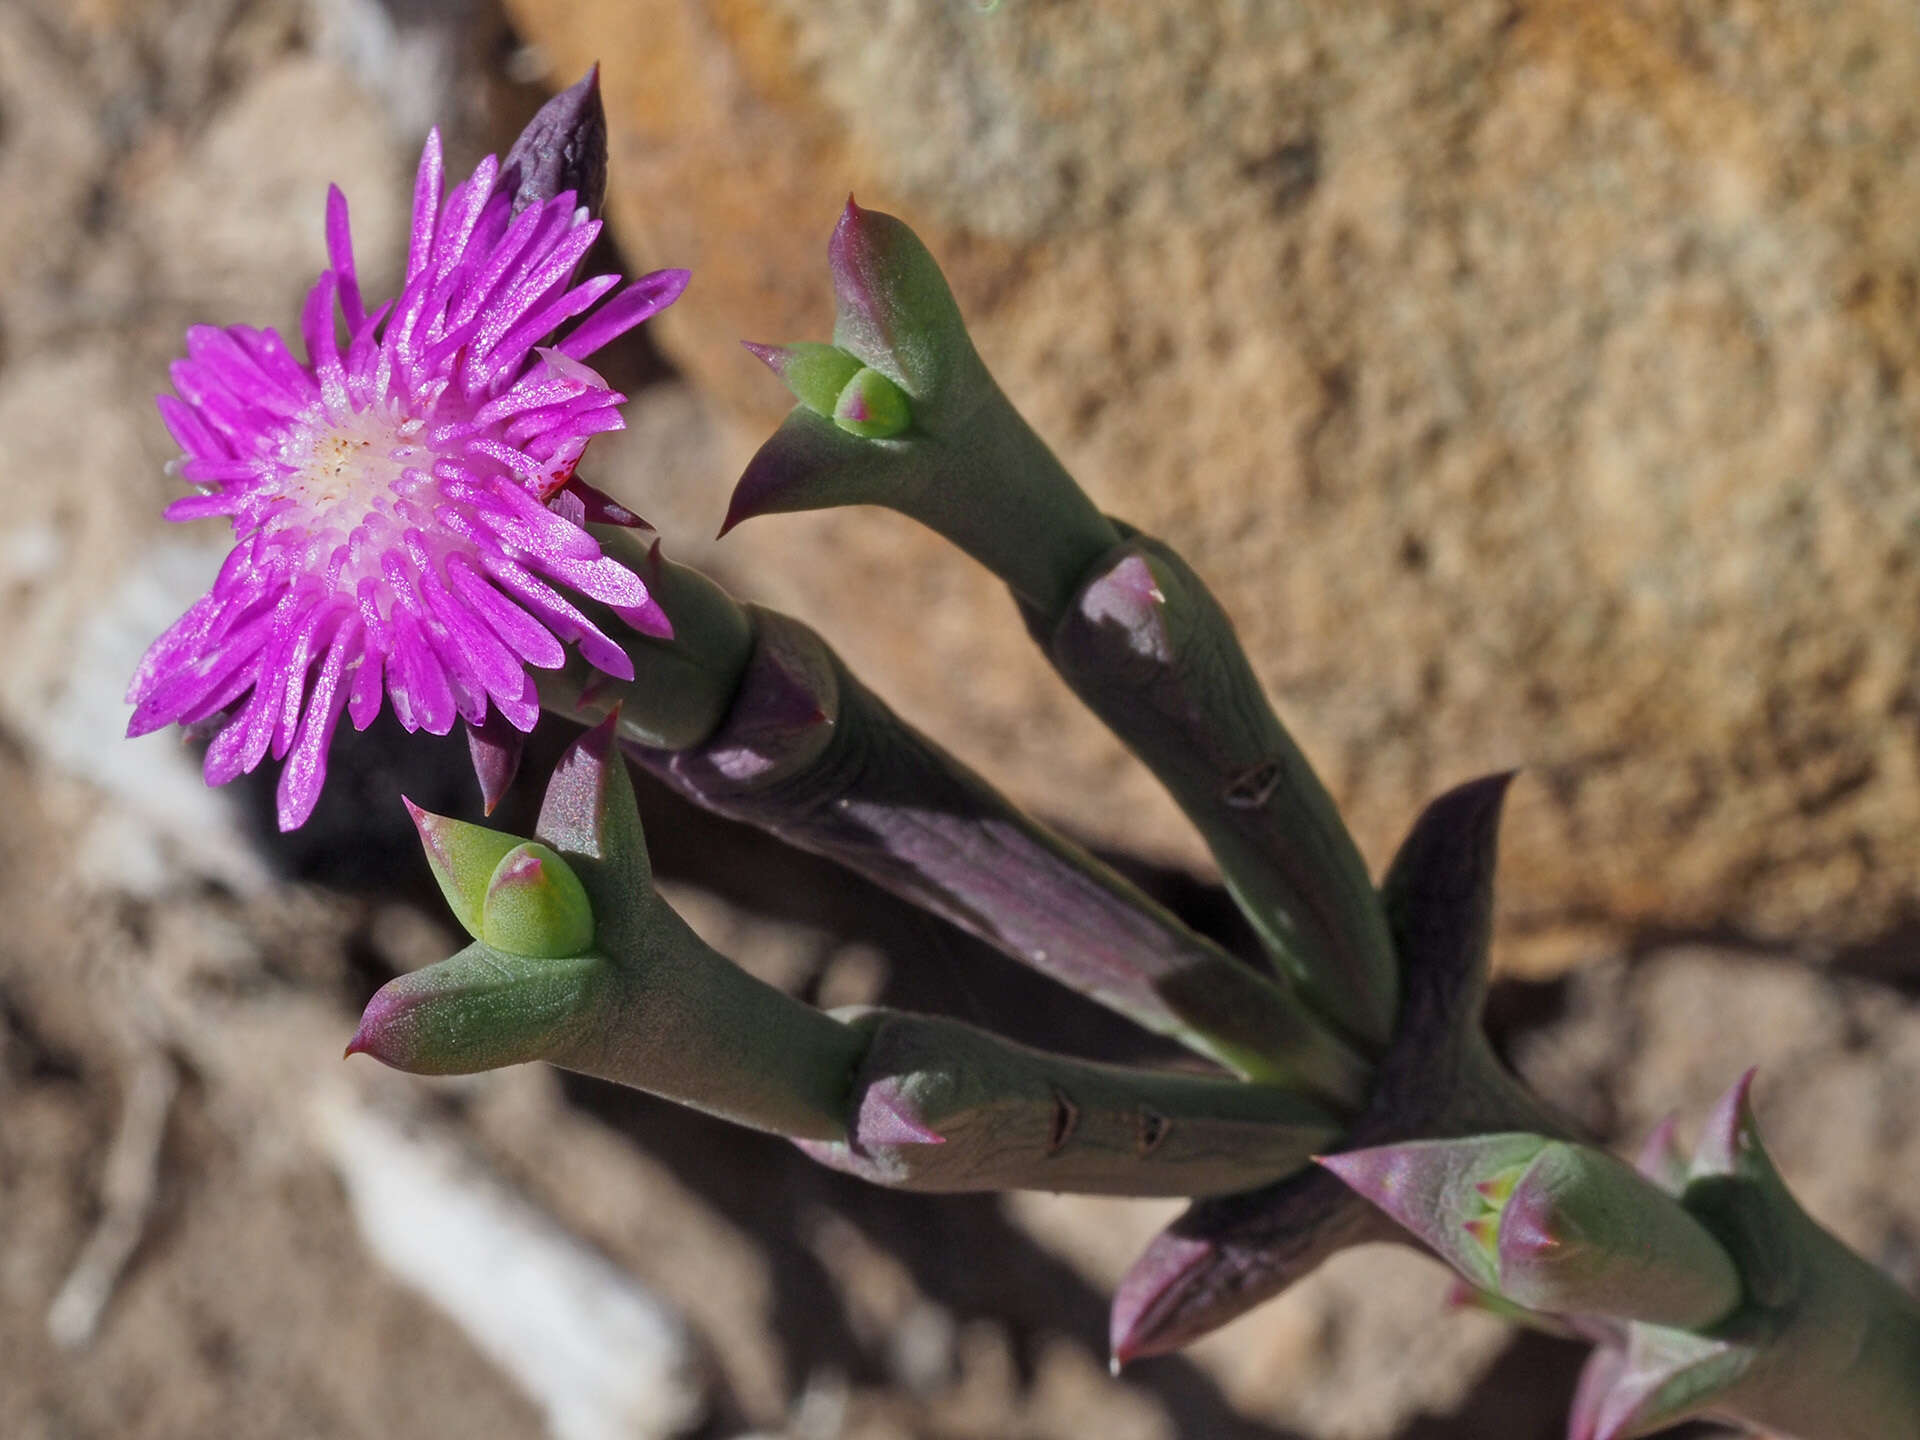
(480, 1010)
(462, 857)
(872, 407)
(1661, 1159)
(889, 1115)
(1226, 1255)
(1667, 1376)
(1583, 1233)
(589, 815)
(1434, 1189)
(1598, 1376)
(815, 373)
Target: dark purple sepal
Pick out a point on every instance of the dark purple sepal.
(495, 747)
(595, 506)
(564, 147)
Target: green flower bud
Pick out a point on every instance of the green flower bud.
(535, 905)
(872, 407)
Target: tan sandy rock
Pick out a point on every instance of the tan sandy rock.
(1536, 386)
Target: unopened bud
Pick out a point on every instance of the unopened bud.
(535, 905)
(872, 407)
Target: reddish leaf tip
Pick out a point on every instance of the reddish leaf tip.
(1661, 1159)
(1729, 1129)
(888, 1115)
(774, 357)
(1143, 1320)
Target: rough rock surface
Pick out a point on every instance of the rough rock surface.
(1536, 384)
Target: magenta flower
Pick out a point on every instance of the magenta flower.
(403, 504)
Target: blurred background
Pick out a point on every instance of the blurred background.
(1537, 383)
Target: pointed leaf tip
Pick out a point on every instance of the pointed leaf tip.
(1583, 1233)
(589, 814)
(1439, 1191)
(462, 857)
(1598, 1376)
(1129, 597)
(1661, 1159)
(816, 374)
(888, 1115)
(1666, 1376)
(1144, 1320)
(809, 463)
(872, 407)
(482, 1009)
(1731, 1135)
(774, 357)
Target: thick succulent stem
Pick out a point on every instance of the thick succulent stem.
(1149, 650)
(938, 1105)
(812, 756)
(581, 962)
(1439, 1078)
(1823, 1346)
(1130, 627)
(961, 460)
(751, 715)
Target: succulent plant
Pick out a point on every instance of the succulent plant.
(1357, 1043)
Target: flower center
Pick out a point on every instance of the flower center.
(336, 476)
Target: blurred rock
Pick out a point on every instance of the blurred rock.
(1537, 385)
(600, 1355)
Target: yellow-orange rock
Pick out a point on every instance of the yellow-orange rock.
(1536, 385)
